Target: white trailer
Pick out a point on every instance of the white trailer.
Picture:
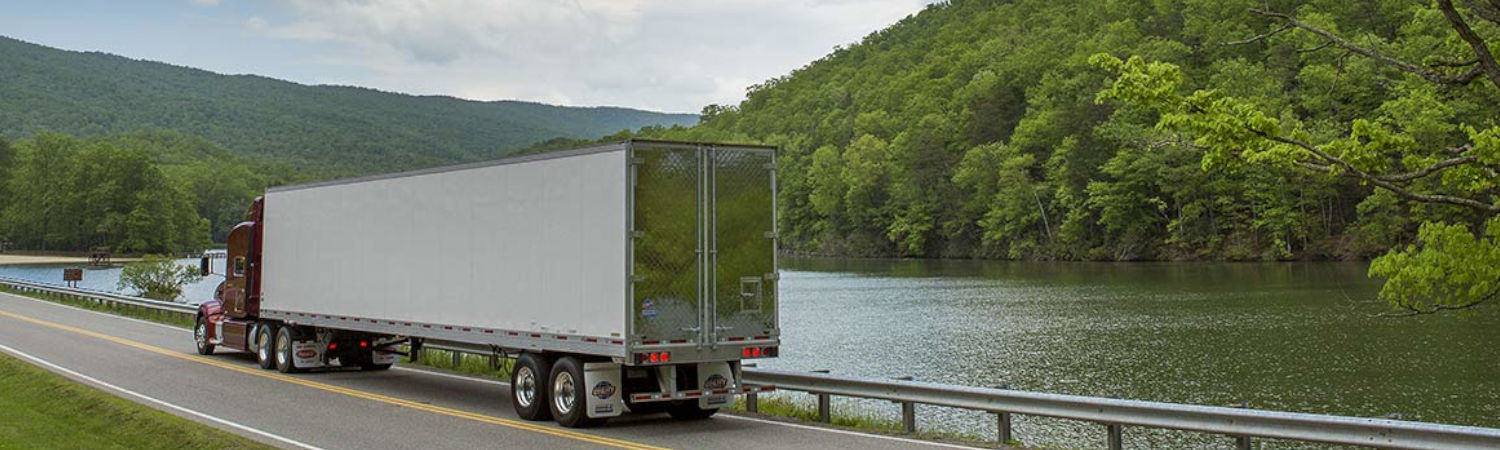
(636, 273)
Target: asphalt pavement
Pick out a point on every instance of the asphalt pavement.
(401, 408)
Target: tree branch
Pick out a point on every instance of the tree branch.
(1428, 74)
(1379, 181)
(1481, 49)
(1489, 11)
(1414, 311)
(1260, 37)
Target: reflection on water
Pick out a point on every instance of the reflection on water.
(1287, 336)
(107, 279)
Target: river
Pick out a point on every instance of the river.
(1286, 336)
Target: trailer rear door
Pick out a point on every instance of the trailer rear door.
(703, 243)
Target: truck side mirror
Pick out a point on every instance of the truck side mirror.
(203, 267)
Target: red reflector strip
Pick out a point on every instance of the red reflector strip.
(678, 341)
(762, 337)
(562, 338)
(590, 340)
(617, 342)
(736, 339)
(490, 331)
(721, 392)
(650, 342)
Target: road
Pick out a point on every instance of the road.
(402, 408)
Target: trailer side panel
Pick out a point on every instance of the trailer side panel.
(535, 246)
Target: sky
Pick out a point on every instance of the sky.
(661, 55)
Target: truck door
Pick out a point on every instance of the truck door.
(236, 267)
(667, 243)
(742, 244)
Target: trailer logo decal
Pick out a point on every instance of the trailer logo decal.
(604, 390)
(648, 308)
(715, 381)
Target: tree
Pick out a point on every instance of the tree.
(158, 276)
(1417, 144)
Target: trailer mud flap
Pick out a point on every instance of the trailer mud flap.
(716, 380)
(605, 393)
(308, 354)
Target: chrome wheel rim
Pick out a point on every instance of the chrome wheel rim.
(562, 392)
(263, 348)
(200, 335)
(283, 348)
(525, 387)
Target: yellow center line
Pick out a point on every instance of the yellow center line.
(520, 425)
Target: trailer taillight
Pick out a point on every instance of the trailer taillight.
(653, 358)
(758, 352)
(333, 346)
(364, 344)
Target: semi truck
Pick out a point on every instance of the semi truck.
(635, 275)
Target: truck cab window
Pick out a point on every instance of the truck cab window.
(239, 266)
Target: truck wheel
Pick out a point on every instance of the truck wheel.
(265, 334)
(285, 361)
(200, 336)
(570, 396)
(689, 410)
(528, 387)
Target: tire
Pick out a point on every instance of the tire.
(265, 335)
(200, 337)
(689, 410)
(528, 387)
(570, 394)
(286, 362)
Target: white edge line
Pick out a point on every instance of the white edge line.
(730, 415)
(502, 383)
(96, 381)
(100, 313)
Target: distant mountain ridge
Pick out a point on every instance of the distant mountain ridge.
(331, 130)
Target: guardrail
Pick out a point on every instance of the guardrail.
(1113, 414)
(110, 299)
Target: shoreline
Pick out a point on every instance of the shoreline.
(17, 260)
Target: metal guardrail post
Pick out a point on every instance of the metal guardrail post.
(1002, 428)
(908, 417)
(1241, 442)
(824, 409)
(752, 403)
(1116, 436)
(458, 358)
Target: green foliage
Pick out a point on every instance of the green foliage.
(67, 193)
(1449, 267)
(158, 276)
(1428, 146)
(325, 131)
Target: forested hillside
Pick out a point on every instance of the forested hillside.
(323, 130)
(976, 129)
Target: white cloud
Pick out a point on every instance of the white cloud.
(669, 55)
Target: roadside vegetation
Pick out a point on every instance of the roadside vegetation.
(40, 409)
(158, 277)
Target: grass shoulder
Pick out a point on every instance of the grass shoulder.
(40, 409)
